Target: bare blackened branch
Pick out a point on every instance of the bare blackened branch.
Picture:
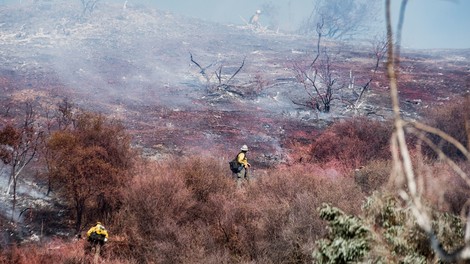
(18, 146)
(218, 74)
(323, 88)
(197, 64)
(202, 70)
(88, 6)
(342, 18)
(237, 71)
(319, 34)
(380, 48)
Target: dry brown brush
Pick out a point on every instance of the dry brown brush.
(188, 210)
(454, 119)
(354, 141)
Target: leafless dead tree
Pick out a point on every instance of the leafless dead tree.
(404, 172)
(222, 82)
(318, 78)
(321, 84)
(379, 50)
(18, 147)
(88, 6)
(342, 18)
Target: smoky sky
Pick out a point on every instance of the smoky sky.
(428, 23)
(436, 24)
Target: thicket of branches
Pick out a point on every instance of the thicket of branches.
(356, 141)
(324, 83)
(19, 144)
(89, 164)
(177, 211)
(342, 19)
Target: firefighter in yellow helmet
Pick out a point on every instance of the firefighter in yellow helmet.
(243, 174)
(97, 234)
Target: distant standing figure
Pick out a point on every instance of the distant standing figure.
(254, 20)
(243, 174)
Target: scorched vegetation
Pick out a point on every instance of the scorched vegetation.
(129, 116)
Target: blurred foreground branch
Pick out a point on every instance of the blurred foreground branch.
(402, 165)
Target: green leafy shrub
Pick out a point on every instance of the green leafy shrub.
(385, 232)
(397, 238)
(348, 238)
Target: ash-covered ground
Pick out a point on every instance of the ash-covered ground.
(134, 64)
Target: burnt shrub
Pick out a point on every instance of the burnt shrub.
(89, 166)
(288, 223)
(172, 212)
(203, 176)
(155, 206)
(188, 210)
(444, 188)
(373, 175)
(354, 141)
(53, 251)
(452, 119)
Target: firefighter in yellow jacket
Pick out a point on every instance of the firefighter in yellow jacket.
(97, 234)
(244, 166)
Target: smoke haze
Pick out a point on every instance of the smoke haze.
(428, 23)
(436, 24)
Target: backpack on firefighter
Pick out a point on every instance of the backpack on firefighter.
(235, 165)
(97, 234)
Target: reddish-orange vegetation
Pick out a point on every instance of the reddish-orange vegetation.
(354, 142)
(89, 165)
(188, 210)
(159, 180)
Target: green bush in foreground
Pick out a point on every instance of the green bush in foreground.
(347, 241)
(385, 233)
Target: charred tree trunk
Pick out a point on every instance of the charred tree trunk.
(326, 107)
(79, 210)
(13, 208)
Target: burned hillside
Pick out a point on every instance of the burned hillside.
(134, 64)
(191, 92)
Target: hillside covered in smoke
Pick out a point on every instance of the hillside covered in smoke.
(132, 61)
(191, 92)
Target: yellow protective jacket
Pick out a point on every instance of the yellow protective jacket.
(99, 229)
(241, 158)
